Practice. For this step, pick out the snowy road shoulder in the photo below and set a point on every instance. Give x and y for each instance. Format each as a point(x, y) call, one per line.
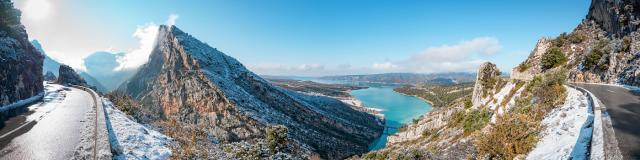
point(562, 128)
point(132, 140)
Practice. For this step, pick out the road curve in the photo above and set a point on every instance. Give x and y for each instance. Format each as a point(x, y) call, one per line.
point(623, 106)
point(49, 130)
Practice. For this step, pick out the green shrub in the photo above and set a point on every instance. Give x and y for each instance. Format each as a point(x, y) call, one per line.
point(429, 132)
point(467, 102)
point(475, 120)
point(600, 50)
point(277, 138)
point(560, 41)
point(523, 66)
point(456, 118)
point(554, 57)
point(576, 38)
point(593, 58)
point(552, 91)
point(470, 121)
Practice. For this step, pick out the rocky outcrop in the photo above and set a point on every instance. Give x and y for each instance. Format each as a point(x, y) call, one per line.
point(50, 77)
point(20, 63)
point(531, 65)
point(68, 76)
point(617, 17)
point(188, 81)
point(486, 82)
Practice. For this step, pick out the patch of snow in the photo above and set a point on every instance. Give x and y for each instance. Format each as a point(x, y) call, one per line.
point(562, 128)
point(132, 140)
point(84, 150)
point(502, 93)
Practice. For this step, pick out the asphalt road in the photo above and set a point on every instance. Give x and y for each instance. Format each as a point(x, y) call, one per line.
point(49, 130)
point(623, 106)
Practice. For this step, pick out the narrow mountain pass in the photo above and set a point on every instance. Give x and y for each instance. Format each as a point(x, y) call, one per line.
point(623, 106)
point(50, 129)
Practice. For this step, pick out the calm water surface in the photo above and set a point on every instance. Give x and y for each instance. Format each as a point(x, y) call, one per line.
point(398, 109)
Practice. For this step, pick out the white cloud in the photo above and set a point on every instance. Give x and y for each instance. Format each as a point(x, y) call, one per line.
point(146, 36)
point(309, 67)
point(172, 19)
point(481, 45)
point(286, 68)
point(464, 56)
point(384, 66)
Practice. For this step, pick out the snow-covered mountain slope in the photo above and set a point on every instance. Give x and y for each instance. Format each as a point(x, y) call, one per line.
point(20, 63)
point(189, 81)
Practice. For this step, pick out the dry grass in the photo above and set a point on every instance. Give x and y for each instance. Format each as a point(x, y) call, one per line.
point(513, 134)
point(191, 140)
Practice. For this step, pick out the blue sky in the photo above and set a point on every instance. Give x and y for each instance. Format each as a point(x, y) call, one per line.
point(328, 37)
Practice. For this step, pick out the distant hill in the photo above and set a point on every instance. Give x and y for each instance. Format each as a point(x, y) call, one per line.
point(409, 78)
point(102, 66)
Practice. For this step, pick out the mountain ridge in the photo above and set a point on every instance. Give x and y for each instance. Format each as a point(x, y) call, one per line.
point(182, 71)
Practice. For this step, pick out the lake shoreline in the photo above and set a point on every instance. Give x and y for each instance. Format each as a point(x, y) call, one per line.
point(425, 100)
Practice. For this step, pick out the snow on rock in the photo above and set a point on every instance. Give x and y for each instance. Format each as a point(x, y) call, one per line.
point(133, 140)
point(562, 128)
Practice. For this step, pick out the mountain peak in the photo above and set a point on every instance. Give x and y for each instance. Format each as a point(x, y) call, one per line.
point(185, 74)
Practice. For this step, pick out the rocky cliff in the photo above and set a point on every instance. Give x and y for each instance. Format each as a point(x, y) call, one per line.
point(604, 48)
point(617, 17)
point(21, 74)
point(188, 81)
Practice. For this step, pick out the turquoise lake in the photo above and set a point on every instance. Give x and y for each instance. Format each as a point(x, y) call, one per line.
point(398, 109)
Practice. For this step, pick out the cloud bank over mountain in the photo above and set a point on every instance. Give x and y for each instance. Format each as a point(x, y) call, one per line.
point(464, 56)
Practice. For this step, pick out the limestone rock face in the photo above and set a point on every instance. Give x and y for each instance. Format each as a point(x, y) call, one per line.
point(20, 63)
point(617, 17)
point(486, 81)
point(191, 82)
point(69, 76)
point(50, 77)
point(532, 62)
